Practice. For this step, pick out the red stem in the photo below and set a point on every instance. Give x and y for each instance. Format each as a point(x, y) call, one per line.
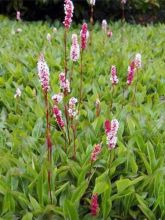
point(65, 52)
point(81, 77)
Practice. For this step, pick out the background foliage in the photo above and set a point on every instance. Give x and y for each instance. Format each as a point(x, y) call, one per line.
point(130, 183)
point(43, 9)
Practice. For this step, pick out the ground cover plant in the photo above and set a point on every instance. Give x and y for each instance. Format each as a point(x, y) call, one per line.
point(97, 154)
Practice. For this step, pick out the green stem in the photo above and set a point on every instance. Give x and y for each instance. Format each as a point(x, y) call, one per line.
point(49, 144)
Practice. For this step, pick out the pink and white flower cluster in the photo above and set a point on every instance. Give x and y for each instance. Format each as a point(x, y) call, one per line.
point(68, 8)
point(58, 116)
point(57, 98)
point(75, 49)
point(64, 83)
point(109, 34)
point(18, 93)
point(43, 73)
point(111, 129)
point(123, 1)
point(92, 2)
point(49, 37)
point(18, 16)
point(72, 107)
point(104, 25)
point(113, 77)
point(84, 36)
point(138, 62)
point(96, 151)
point(133, 67)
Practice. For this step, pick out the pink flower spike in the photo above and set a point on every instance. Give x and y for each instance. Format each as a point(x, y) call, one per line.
point(138, 62)
point(107, 126)
point(109, 34)
point(123, 1)
point(68, 8)
point(84, 36)
point(96, 151)
point(58, 115)
point(92, 2)
point(113, 77)
point(18, 93)
point(43, 73)
point(104, 26)
point(72, 107)
point(75, 49)
point(57, 98)
point(94, 205)
point(114, 126)
point(111, 129)
point(48, 37)
point(64, 83)
point(18, 16)
point(131, 72)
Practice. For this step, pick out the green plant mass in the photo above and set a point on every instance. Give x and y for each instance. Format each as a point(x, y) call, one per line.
point(99, 158)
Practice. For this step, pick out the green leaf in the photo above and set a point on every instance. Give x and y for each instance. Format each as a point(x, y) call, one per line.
point(61, 188)
point(35, 205)
point(37, 130)
point(79, 192)
point(70, 211)
point(100, 187)
point(28, 216)
point(144, 208)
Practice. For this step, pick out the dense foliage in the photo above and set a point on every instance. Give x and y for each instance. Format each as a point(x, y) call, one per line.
point(43, 9)
point(129, 180)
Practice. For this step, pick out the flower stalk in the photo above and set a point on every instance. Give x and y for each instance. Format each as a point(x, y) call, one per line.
point(43, 73)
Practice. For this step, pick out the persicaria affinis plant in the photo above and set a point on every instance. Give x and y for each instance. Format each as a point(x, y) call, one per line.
point(131, 72)
point(18, 93)
point(64, 83)
point(72, 107)
point(18, 16)
point(68, 8)
point(109, 34)
point(92, 2)
point(123, 1)
point(84, 36)
point(104, 25)
point(58, 116)
point(138, 62)
point(57, 98)
point(94, 207)
point(96, 151)
point(113, 77)
point(43, 73)
point(111, 129)
point(75, 49)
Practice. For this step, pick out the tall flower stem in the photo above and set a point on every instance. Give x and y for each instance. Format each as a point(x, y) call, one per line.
point(66, 69)
point(71, 73)
point(81, 76)
point(49, 144)
point(112, 93)
point(135, 90)
point(74, 139)
point(65, 52)
point(67, 122)
point(123, 96)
